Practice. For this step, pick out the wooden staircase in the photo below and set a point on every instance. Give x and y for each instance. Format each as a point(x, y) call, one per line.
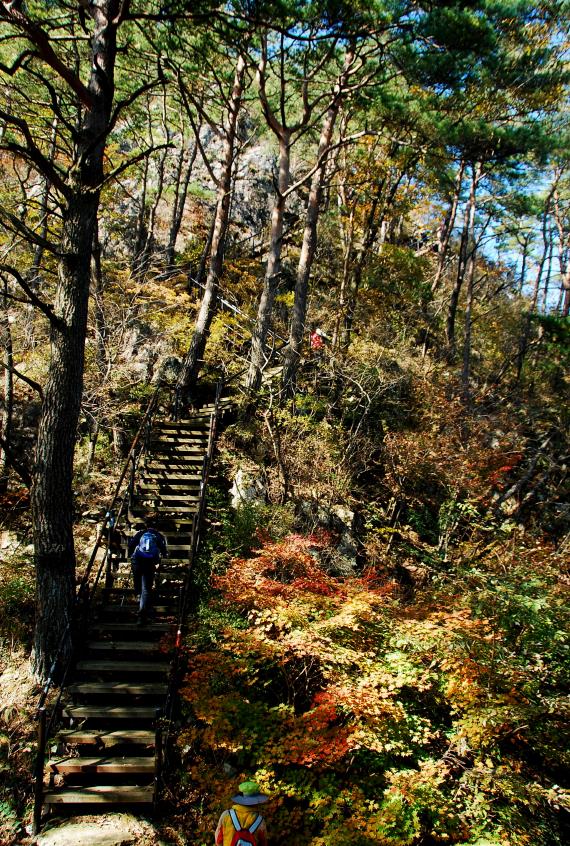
point(108, 750)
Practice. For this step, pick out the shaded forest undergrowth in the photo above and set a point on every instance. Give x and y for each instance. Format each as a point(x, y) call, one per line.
point(382, 635)
point(414, 693)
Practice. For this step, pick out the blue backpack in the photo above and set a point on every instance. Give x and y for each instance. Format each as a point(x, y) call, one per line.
point(148, 547)
point(244, 836)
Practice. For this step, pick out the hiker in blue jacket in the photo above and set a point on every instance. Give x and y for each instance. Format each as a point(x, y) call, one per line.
point(146, 548)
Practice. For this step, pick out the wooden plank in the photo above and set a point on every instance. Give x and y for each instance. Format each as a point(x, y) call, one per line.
point(93, 712)
point(177, 497)
point(165, 487)
point(101, 795)
point(175, 463)
point(108, 766)
point(151, 628)
point(95, 666)
point(148, 647)
point(92, 737)
point(118, 689)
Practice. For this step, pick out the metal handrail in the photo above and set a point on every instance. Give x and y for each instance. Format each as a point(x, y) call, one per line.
point(195, 537)
point(234, 308)
point(82, 605)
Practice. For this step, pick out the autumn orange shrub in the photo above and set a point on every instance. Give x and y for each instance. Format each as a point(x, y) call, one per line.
point(366, 725)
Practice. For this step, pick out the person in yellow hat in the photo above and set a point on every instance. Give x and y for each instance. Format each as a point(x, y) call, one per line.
point(242, 825)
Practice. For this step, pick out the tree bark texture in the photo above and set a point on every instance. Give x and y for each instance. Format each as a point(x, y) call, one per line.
point(447, 227)
point(208, 306)
point(470, 275)
point(563, 251)
point(527, 325)
point(374, 236)
point(8, 403)
point(309, 246)
point(273, 269)
point(52, 491)
point(141, 225)
point(467, 243)
point(181, 192)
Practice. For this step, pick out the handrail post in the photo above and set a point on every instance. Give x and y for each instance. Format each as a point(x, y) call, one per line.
point(158, 758)
point(39, 769)
point(131, 487)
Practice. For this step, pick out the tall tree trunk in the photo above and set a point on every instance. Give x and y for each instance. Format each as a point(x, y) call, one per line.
point(447, 228)
point(193, 360)
point(201, 275)
point(374, 236)
point(467, 243)
point(565, 290)
point(145, 257)
point(8, 403)
point(141, 223)
point(309, 246)
point(563, 248)
point(101, 331)
point(470, 275)
point(52, 491)
point(181, 192)
point(524, 261)
point(347, 237)
point(273, 269)
point(525, 334)
point(546, 288)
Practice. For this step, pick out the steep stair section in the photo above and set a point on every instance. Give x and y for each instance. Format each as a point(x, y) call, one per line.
point(108, 750)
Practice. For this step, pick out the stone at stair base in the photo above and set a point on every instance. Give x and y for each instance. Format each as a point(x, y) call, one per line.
point(116, 830)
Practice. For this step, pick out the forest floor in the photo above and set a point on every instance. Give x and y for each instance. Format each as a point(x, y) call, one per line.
point(117, 829)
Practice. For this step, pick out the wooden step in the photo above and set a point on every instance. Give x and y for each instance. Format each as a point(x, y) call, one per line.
point(166, 498)
point(110, 712)
point(166, 477)
point(179, 435)
point(185, 425)
point(166, 509)
point(164, 487)
point(129, 608)
point(174, 464)
point(107, 738)
point(195, 434)
point(102, 765)
point(121, 667)
point(132, 628)
point(146, 647)
point(178, 446)
point(118, 689)
point(101, 794)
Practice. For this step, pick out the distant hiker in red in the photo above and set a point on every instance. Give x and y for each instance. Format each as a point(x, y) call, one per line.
point(241, 825)
point(317, 339)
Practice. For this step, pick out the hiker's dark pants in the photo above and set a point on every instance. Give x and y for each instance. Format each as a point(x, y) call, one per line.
point(143, 577)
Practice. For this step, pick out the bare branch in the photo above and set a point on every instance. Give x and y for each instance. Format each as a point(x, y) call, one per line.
point(16, 465)
point(11, 12)
point(32, 153)
point(145, 153)
point(31, 382)
point(44, 307)
point(18, 62)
